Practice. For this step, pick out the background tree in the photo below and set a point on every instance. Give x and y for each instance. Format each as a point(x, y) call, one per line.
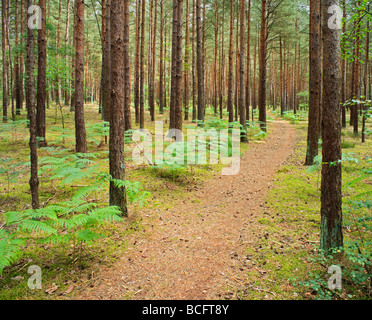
point(199, 63)
point(80, 133)
point(314, 82)
point(5, 50)
point(41, 78)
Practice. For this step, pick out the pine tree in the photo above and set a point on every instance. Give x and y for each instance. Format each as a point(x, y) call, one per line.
point(331, 194)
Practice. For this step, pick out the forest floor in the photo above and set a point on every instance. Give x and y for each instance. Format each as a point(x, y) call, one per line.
point(196, 249)
point(200, 235)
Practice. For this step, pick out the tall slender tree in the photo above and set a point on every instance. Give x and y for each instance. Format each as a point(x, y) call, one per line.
point(5, 49)
point(343, 68)
point(230, 107)
point(142, 69)
point(80, 133)
point(161, 59)
point(41, 78)
point(18, 84)
point(136, 86)
point(242, 101)
point(194, 102)
point(186, 68)
point(356, 71)
point(127, 87)
point(116, 145)
point(199, 63)
point(215, 76)
point(106, 71)
point(331, 194)
point(31, 105)
point(179, 68)
point(247, 87)
point(314, 82)
point(263, 66)
point(365, 80)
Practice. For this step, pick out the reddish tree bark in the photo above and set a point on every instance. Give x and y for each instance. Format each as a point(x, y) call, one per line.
point(331, 195)
point(80, 133)
point(242, 109)
point(230, 107)
point(116, 146)
point(127, 91)
point(199, 64)
point(314, 82)
point(263, 66)
point(31, 104)
point(41, 78)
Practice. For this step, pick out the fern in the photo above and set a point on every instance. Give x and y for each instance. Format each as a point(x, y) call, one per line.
point(10, 249)
point(88, 236)
point(37, 226)
point(69, 221)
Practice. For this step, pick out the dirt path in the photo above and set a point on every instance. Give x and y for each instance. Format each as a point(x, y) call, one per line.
point(198, 248)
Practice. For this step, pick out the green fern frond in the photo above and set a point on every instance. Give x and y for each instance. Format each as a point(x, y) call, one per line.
point(83, 192)
point(57, 239)
point(88, 236)
point(109, 214)
point(9, 249)
point(37, 226)
point(12, 217)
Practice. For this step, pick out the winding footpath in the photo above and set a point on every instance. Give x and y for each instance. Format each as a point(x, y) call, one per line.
point(196, 248)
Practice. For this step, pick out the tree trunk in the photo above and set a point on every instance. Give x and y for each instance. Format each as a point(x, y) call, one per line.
point(21, 58)
point(281, 78)
point(151, 68)
point(222, 62)
point(356, 70)
point(142, 70)
point(80, 133)
point(5, 49)
point(179, 68)
point(127, 91)
point(262, 67)
point(199, 64)
point(31, 104)
point(215, 105)
point(73, 65)
point(331, 194)
point(366, 63)
point(194, 102)
point(314, 82)
point(106, 92)
point(161, 59)
point(247, 86)
point(242, 109)
point(67, 88)
point(136, 61)
point(116, 146)
point(18, 84)
point(230, 107)
point(236, 63)
point(41, 78)
point(343, 71)
point(175, 112)
point(186, 71)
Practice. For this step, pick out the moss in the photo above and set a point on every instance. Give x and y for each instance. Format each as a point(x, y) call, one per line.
point(290, 239)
